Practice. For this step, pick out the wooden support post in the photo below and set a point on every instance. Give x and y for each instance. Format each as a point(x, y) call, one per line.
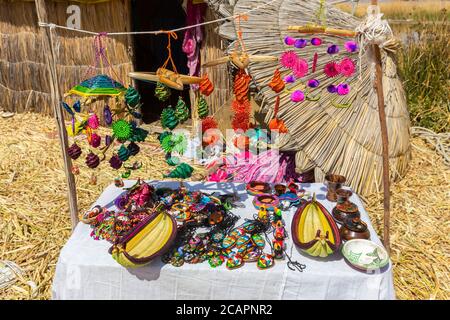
point(385, 142)
point(48, 34)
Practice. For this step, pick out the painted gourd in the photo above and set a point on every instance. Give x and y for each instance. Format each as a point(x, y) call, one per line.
point(314, 230)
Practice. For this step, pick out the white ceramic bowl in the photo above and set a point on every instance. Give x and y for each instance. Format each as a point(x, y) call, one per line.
point(365, 255)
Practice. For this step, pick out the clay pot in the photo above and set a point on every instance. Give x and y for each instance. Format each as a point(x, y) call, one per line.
point(334, 182)
point(280, 189)
point(354, 228)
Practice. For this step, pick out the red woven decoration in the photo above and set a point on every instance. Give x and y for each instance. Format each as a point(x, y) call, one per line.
point(241, 121)
point(241, 85)
point(208, 123)
point(243, 106)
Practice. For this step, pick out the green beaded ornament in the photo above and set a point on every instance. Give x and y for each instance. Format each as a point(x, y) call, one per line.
point(181, 110)
point(132, 97)
point(202, 108)
point(182, 171)
point(122, 130)
point(162, 92)
point(123, 153)
point(168, 118)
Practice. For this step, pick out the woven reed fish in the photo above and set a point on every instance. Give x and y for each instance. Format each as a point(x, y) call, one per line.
point(202, 108)
point(132, 97)
point(123, 153)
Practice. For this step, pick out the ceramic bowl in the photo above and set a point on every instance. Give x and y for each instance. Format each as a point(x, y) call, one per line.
point(365, 255)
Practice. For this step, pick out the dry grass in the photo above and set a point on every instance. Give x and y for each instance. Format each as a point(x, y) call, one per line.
point(34, 222)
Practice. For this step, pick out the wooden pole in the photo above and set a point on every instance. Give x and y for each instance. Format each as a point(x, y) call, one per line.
point(48, 34)
point(384, 141)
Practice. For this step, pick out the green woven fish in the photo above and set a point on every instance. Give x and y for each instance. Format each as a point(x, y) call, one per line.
point(173, 161)
point(123, 153)
point(132, 97)
point(202, 108)
point(168, 118)
point(182, 171)
point(181, 110)
point(162, 92)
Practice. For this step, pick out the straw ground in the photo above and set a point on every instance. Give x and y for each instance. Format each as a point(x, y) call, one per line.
point(34, 219)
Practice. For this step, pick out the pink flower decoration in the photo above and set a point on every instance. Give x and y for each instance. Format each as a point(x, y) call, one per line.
point(93, 122)
point(288, 59)
point(343, 89)
point(332, 69)
point(347, 67)
point(300, 69)
point(297, 96)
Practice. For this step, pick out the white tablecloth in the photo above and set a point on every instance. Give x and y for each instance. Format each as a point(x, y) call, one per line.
point(85, 269)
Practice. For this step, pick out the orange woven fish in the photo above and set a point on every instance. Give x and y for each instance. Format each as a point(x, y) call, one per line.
point(277, 84)
point(241, 85)
point(206, 86)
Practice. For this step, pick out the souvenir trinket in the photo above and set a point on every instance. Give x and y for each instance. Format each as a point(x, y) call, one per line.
point(334, 182)
point(265, 261)
point(234, 261)
point(118, 182)
point(248, 226)
point(75, 170)
point(237, 232)
point(344, 208)
point(289, 199)
point(278, 247)
point(216, 261)
point(280, 232)
point(228, 242)
point(263, 215)
point(365, 255)
point(268, 201)
point(218, 236)
point(243, 240)
point(354, 228)
point(280, 189)
point(252, 256)
point(215, 217)
point(314, 230)
point(90, 216)
point(277, 216)
point(258, 240)
point(257, 187)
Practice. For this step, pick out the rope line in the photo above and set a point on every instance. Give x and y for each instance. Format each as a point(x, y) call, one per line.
point(154, 32)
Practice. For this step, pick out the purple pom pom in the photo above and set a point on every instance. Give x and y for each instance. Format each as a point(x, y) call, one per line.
point(289, 41)
point(297, 96)
point(313, 83)
point(120, 202)
point(332, 88)
point(300, 43)
point(289, 79)
point(333, 49)
point(316, 41)
point(351, 46)
point(343, 89)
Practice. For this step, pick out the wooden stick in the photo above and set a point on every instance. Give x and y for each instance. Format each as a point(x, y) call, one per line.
point(50, 56)
point(323, 30)
point(384, 141)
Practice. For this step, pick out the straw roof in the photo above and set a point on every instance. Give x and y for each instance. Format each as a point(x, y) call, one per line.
point(346, 141)
point(24, 84)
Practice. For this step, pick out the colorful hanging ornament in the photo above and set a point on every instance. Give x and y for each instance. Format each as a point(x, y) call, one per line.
point(333, 49)
point(173, 161)
point(300, 69)
point(202, 108)
point(93, 122)
point(289, 79)
point(300, 43)
point(277, 84)
point(332, 88)
point(95, 140)
point(108, 140)
point(241, 85)
point(275, 123)
point(347, 67)
point(107, 115)
point(132, 97)
point(122, 130)
point(241, 121)
point(332, 69)
point(182, 171)
point(288, 59)
point(162, 92)
point(115, 162)
point(168, 118)
point(313, 83)
point(343, 89)
point(133, 149)
point(74, 151)
point(351, 46)
point(289, 41)
point(206, 87)
point(297, 96)
point(316, 41)
point(123, 153)
point(139, 135)
point(181, 110)
point(92, 160)
point(75, 170)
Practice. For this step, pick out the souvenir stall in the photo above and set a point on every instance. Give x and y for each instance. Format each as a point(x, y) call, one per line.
point(255, 229)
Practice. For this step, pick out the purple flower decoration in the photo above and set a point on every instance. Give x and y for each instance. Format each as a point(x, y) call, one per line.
point(343, 89)
point(120, 202)
point(351, 46)
point(313, 83)
point(297, 96)
point(316, 41)
point(289, 79)
point(300, 43)
point(289, 41)
point(333, 49)
point(332, 88)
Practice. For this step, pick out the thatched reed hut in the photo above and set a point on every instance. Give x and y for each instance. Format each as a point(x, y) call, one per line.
point(24, 81)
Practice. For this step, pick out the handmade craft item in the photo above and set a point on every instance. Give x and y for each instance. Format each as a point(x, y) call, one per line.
point(100, 85)
point(257, 187)
point(206, 87)
point(92, 160)
point(202, 108)
point(279, 189)
point(181, 110)
point(74, 151)
point(344, 208)
point(265, 261)
point(365, 255)
point(354, 228)
point(277, 84)
point(333, 182)
point(268, 201)
point(276, 123)
point(168, 118)
point(183, 171)
point(314, 230)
